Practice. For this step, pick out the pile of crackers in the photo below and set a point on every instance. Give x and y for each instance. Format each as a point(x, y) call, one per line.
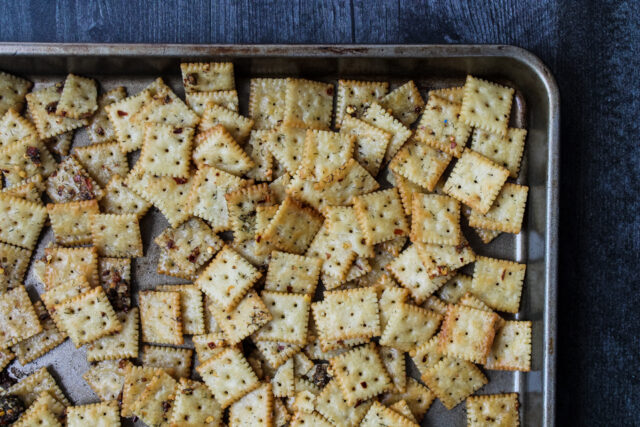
point(319, 247)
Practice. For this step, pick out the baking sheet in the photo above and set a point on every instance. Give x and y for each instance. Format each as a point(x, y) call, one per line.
point(536, 107)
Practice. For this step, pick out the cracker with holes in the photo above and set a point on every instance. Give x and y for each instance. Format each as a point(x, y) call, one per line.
point(62, 293)
point(106, 378)
point(116, 235)
point(227, 278)
point(115, 277)
point(60, 144)
point(79, 98)
point(333, 406)
point(264, 215)
point(153, 406)
point(12, 92)
point(120, 199)
point(169, 267)
point(102, 161)
point(381, 216)
point(453, 380)
point(45, 411)
point(441, 260)
point(14, 127)
point(304, 401)
point(100, 128)
point(506, 213)
point(36, 346)
point(301, 419)
point(99, 414)
point(30, 189)
point(254, 409)
point(493, 409)
point(267, 102)
point(70, 221)
point(475, 181)
point(128, 133)
point(393, 361)
point(427, 355)
point(198, 101)
point(71, 182)
point(421, 164)
point(504, 150)
point(283, 380)
point(195, 405)
point(435, 219)
point(279, 186)
point(451, 94)
point(409, 326)
point(389, 299)
point(308, 104)
point(370, 143)
point(166, 150)
point(418, 397)
point(378, 265)
point(287, 145)
point(25, 159)
point(377, 116)
point(440, 127)
point(249, 250)
point(467, 333)
point(455, 288)
point(160, 315)
point(486, 105)
point(380, 415)
point(324, 152)
point(218, 371)
point(191, 307)
point(208, 345)
point(498, 283)
point(120, 345)
point(242, 205)
point(402, 408)
point(18, 318)
point(293, 226)
point(248, 316)
point(135, 382)
point(43, 105)
point(207, 76)
point(237, 127)
point(257, 148)
point(335, 253)
point(207, 196)
point(405, 103)
point(29, 388)
point(292, 273)
point(63, 265)
point(277, 353)
point(174, 361)
point(166, 108)
point(347, 314)
point(289, 318)
point(360, 374)
point(511, 349)
point(354, 97)
point(14, 262)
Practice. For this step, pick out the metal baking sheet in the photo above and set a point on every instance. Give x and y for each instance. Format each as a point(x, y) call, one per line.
point(430, 66)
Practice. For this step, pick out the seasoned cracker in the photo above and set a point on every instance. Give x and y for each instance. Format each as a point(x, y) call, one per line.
point(324, 152)
point(18, 319)
point(207, 76)
point(25, 159)
point(61, 293)
point(70, 221)
point(30, 387)
point(79, 97)
point(504, 150)
point(394, 363)
point(12, 92)
point(370, 143)
point(377, 116)
point(404, 102)
point(293, 227)
point(102, 161)
point(267, 100)
point(304, 401)
point(105, 414)
point(394, 246)
point(121, 113)
point(498, 283)
point(30, 189)
point(166, 150)
point(174, 361)
point(248, 316)
point(43, 104)
point(277, 353)
point(290, 314)
point(451, 94)
point(347, 314)
point(379, 415)
point(257, 148)
point(506, 213)
point(264, 216)
point(418, 397)
point(452, 380)
point(287, 145)
point(335, 253)
point(493, 410)
point(467, 333)
point(242, 205)
point(303, 419)
point(60, 144)
point(308, 104)
point(292, 273)
point(6, 356)
point(511, 349)
point(435, 219)
point(63, 265)
point(342, 223)
point(135, 381)
point(14, 127)
point(119, 199)
point(106, 378)
point(486, 105)
point(198, 101)
point(250, 250)
point(121, 345)
point(409, 326)
point(441, 260)
point(389, 299)
point(427, 355)
point(421, 164)
point(160, 314)
point(381, 216)
point(153, 407)
point(71, 182)
point(440, 127)
point(100, 128)
point(217, 372)
point(115, 277)
point(283, 380)
point(402, 408)
point(355, 96)
point(166, 108)
point(46, 411)
point(237, 127)
point(116, 235)
point(378, 265)
point(208, 345)
point(191, 304)
point(32, 348)
point(194, 405)
point(14, 262)
point(333, 406)
point(254, 409)
point(455, 288)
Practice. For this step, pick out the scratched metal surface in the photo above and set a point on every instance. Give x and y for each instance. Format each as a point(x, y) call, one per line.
point(431, 67)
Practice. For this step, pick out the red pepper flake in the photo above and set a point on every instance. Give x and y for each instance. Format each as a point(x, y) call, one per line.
point(171, 244)
point(211, 345)
point(289, 289)
point(192, 79)
point(166, 406)
point(453, 144)
point(280, 347)
point(180, 180)
point(193, 256)
point(398, 232)
point(177, 130)
point(167, 99)
point(34, 155)
point(503, 273)
point(100, 131)
point(51, 107)
point(258, 239)
point(122, 364)
point(417, 109)
point(122, 113)
point(330, 91)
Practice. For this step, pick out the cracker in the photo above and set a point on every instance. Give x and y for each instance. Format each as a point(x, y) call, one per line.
point(116, 235)
point(337, 256)
point(304, 401)
point(79, 97)
point(45, 412)
point(441, 260)
point(404, 102)
point(493, 410)
point(370, 143)
point(71, 182)
point(333, 406)
point(206, 199)
point(30, 189)
point(254, 409)
point(426, 355)
point(12, 92)
point(485, 235)
point(18, 319)
point(379, 415)
point(455, 288)
point(418, 397)
point(67, 264)
point(194, 405)
point(43, 104)
point(394, 246)
point(227, 278)
point(342, 223)
point(277, 353)
point(236, 126)
point(198, 101)
point(103, 414)
point(264, 216)
point(62, 293)
point(435, 219)
point(506, 213)
point(309, 419)
point(208, 345)
point(102, 161)
point(217, 373)
point(30, 387)
point(467, 333)
point(360, 374)
point(106, 378)
point(347, 314)
point(355, 96)
point(32, 348)
point(440, 127)
point(452, 380)
point(192, 311)
point(498, 283)
point(249, 249)
point(486, 105)
point(389, 299)
point(166, 108)
point(381, 216)
point(308, 104)
point(119, 199)
point(420, 164)
point(290, 314)
point(60, 144)
point(267, 100)
point(504, 150)
point(115, 277)
point(14, 262)
point(121, 345)
point(100, 129)
point(292, 273)
point(160, 313)
point(242, 204)
point(121, 113)
point(135, 381)
point(25, 159)
point(207, 76)
point(70, 221)
point(287, 145)
point(283, 380)
point(293, 227)
point(394, 363)
point(359, 268)
point(451, 94)
point(411, 273)
point(14, 127)
point(324, 152)
point(408, 326)
point(511, 349)
point(166, 150)
point(257, 148)
point(402, 408)
point(248, 316)
point(377, 116)
point(174, 361)
point(6, 356)
point(153, 407)
point(378, 265)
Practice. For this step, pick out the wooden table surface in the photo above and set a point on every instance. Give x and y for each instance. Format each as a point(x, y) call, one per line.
point(593, 49)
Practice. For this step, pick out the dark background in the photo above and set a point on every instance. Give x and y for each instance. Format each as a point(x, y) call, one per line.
point(593, 48)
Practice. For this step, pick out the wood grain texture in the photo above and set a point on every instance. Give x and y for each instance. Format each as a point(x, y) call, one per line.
point(592, 48)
